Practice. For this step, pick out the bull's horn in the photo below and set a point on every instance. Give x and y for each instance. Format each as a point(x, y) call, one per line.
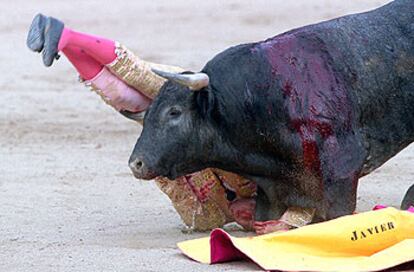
point(195, 81)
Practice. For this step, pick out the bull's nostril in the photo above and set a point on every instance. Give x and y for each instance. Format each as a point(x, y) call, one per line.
point(136, 165)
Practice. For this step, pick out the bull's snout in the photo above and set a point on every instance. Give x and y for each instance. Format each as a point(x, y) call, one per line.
point(140, 169)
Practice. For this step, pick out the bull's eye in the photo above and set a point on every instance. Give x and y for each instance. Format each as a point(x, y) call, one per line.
point(174, 112)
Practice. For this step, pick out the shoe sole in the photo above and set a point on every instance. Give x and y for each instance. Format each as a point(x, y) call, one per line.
point(52, 33)
point(35, 37)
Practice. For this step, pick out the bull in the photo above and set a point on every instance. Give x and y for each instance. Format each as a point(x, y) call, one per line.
point(304, 114)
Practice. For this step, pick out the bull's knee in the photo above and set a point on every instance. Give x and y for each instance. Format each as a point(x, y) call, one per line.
point(340, 198)
point(268, 207)
point(262, 206)
point(408, 199)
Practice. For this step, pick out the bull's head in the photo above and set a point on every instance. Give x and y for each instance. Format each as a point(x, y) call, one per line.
point(176, 139)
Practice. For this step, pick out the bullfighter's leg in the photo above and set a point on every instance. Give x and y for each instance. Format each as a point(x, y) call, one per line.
point(49, 36)
point(88, 60)
point(87, 67)
point(99, 48)
point(113, 90)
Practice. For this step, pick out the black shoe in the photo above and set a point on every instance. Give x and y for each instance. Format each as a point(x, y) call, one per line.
point(52, 33)
point(35, 37)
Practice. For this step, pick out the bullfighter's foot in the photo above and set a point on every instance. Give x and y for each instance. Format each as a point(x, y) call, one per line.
point(293, 217)
point(52, 32)
point(35, 37)
point(298, 216)
point(263, 227)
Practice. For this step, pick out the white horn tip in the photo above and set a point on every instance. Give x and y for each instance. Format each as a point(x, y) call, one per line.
point(195, 81)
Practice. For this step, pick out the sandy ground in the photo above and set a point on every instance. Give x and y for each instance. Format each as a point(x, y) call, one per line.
point(67, 199)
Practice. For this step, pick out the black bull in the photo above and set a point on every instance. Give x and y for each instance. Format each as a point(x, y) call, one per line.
point(304, 114)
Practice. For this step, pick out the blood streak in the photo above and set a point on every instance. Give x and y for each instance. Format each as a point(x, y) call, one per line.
point(315, 97)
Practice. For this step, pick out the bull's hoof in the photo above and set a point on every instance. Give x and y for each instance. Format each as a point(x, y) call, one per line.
point(408, 199)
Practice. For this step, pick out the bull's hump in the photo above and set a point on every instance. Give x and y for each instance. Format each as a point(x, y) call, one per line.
point(315, 94)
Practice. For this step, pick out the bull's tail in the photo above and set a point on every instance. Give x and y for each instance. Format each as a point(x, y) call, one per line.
point(408, 199)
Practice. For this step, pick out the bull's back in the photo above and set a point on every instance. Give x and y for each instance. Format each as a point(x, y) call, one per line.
point(367, 66)
point(374, 52)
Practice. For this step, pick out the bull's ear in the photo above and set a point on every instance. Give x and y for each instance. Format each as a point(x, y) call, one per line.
point(205, 103)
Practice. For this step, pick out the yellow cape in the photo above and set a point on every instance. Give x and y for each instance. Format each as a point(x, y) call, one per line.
point(369, 241)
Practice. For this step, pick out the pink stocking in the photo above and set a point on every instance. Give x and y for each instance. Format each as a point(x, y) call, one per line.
point(86, 66)
point(89, 54)
point(115, 91)
point(101, 49)
point(118, 93)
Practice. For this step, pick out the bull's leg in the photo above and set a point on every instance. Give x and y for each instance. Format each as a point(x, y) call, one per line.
point(269, 206)
point(280, 206)
point(340, 197)
point(341, 162)
point(269, 203)
point(408, 199)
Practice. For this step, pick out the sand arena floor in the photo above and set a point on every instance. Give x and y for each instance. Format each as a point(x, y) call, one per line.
point(67, 199)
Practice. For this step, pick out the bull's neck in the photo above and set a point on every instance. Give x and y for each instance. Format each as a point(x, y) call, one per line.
point(223, 154)
point(229, 137)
